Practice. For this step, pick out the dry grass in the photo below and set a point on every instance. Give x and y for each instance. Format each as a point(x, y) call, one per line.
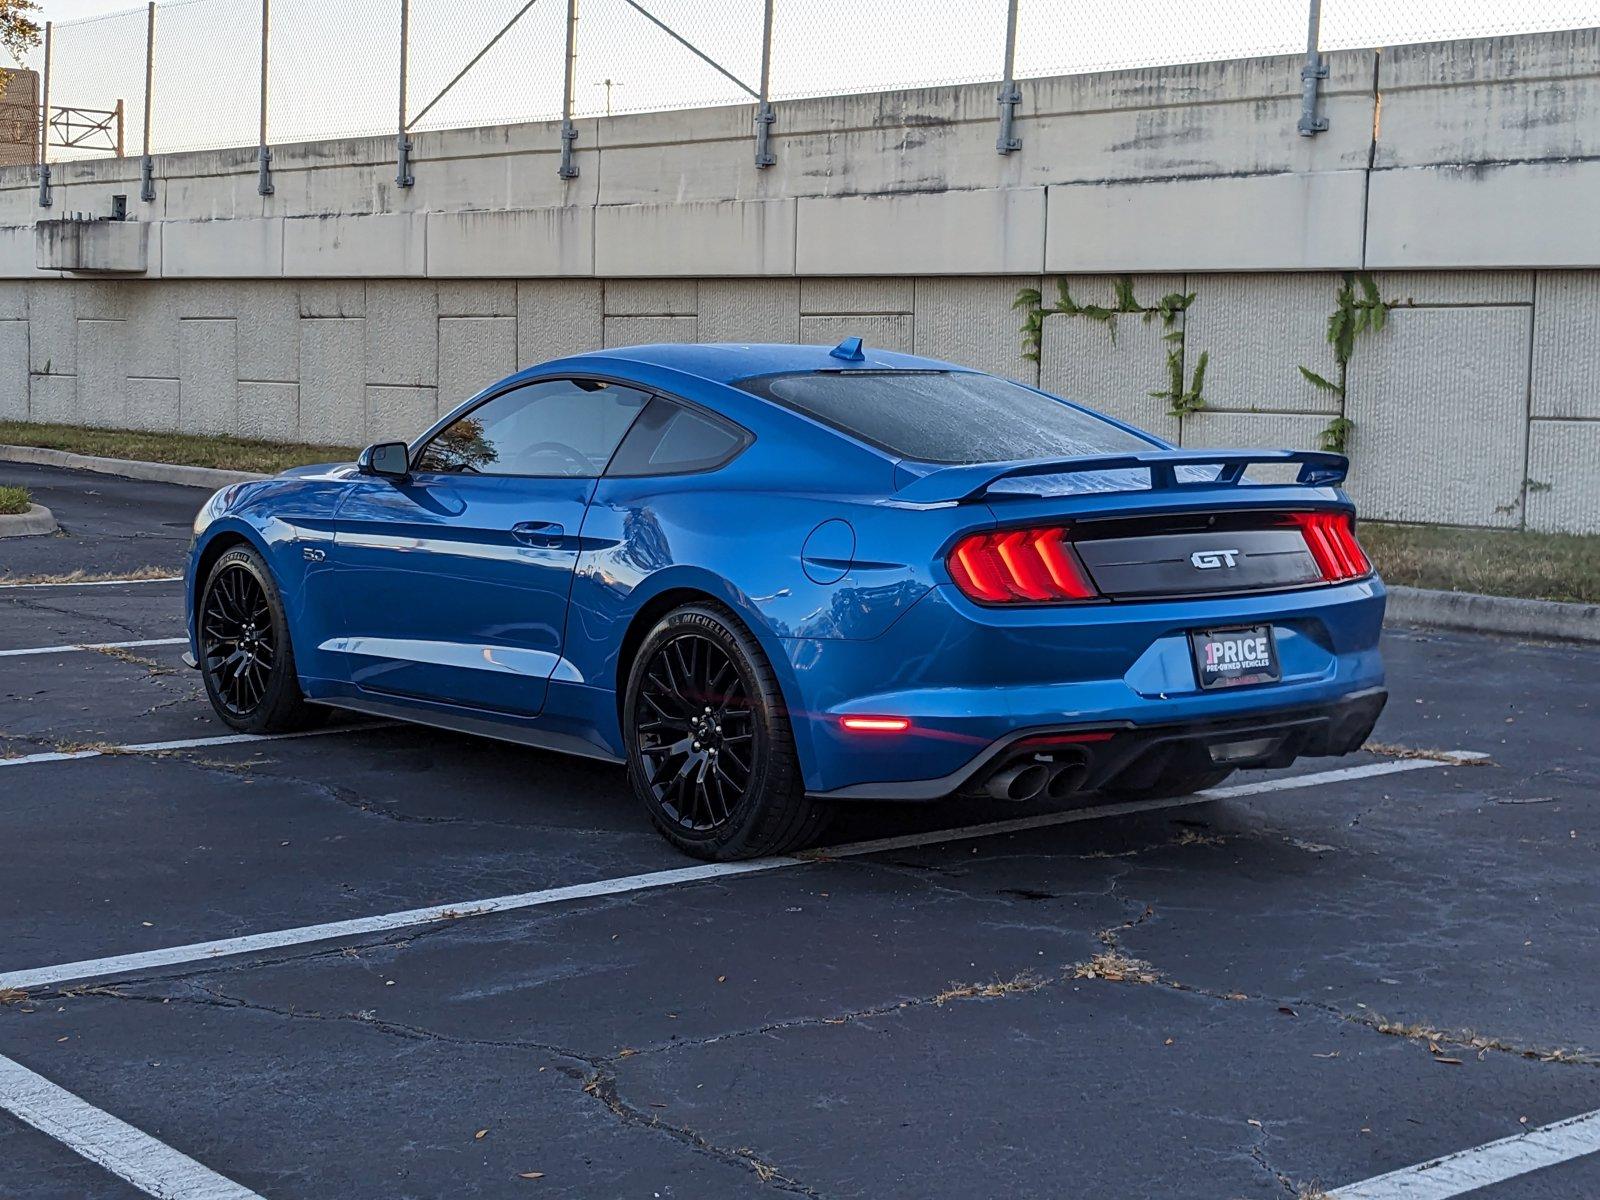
point(1311, 1191)
point(992, 990)
point(150, 665)
point(13, 500)
point(191, 450)
point(1389, 750)
point(1495, 562)
point(1116, 967)
point(1437, 1039)
point(82, 576)
point(11, 995)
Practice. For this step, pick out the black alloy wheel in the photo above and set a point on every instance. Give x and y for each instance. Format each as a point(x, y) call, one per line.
point(710, 752)
point(238, 644)
point(246, 657)
point(696, 732)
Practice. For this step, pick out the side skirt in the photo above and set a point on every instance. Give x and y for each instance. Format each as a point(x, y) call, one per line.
point(465, 721)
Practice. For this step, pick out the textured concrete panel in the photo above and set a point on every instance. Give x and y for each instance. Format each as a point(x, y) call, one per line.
point(749, 310)
point(1566, 456)
point(333, 382)
point(269, 411)
point(389, 245)
point(971, 322)
point(402, 332)
point(556, 318)
point(345, 298)
point(399, 413)
point(153, 404)
point(989, 232)
point(1504, 215)
point(1259, 329)
point(514, 243)
point(237, 248)
point(885, 332)
point(473, 353)
point(1253, 431)
point(13, 301)
point(53, 329)
point(13, 370)
point(1294, 222)
point(102, 373)
point(208, 381)
point(105, 299)
point(1455, 287)
point(269, 333)
point(1080, 362)
point(1566, 346)
point(826, 296)
point(1439, 401)
point(729, 237)
point(492, 298)
point(651, 298)
point(53, 399)
point(153, 315)
point(640, 331)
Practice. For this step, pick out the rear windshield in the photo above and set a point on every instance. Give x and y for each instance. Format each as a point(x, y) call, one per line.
point(946, 416)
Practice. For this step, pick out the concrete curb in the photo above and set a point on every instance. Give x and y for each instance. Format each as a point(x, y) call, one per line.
point(201, 477)
point(38, 519)
point(1494, 614)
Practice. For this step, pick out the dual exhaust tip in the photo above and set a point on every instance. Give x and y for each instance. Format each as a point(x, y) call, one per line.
point(1037, 780)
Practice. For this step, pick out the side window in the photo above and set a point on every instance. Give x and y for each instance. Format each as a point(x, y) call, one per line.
point(669, 439)
point(555, 427)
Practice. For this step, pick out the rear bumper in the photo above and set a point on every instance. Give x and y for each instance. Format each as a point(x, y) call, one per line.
point(1134, 755)
point(969, 678)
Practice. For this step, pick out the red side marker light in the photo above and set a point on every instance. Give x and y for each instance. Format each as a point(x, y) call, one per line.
point(876, 724)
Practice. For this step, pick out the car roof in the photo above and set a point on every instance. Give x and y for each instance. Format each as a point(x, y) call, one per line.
point(724, 362)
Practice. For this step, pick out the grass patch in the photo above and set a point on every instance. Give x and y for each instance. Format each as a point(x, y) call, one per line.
point(13, 500)
point(82, 576)
point(1494, 562)
point(1116, 967)
point(183, 449)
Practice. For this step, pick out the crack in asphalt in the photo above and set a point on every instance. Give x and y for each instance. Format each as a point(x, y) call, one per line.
point(41, 607)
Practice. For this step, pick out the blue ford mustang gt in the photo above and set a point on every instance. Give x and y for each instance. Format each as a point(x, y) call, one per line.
point(773, 578)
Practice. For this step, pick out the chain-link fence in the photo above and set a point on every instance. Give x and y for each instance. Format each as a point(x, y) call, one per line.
point(204, 74)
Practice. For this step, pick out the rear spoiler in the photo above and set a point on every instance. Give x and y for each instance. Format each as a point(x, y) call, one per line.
point(1318, 468)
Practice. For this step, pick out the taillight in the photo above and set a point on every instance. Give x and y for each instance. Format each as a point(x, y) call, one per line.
point(1331, 538)
point(1019, 566)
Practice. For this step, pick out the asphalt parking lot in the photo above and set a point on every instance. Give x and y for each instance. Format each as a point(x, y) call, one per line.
point(1323, 976)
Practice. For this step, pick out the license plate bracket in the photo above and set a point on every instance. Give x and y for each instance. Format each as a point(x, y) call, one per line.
point(1236, 657)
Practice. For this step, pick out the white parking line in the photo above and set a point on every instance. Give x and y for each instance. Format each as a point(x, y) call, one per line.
point(222, 739)
point(1468, 1170)
point(123, 964)
point(96, 582)
point(71, 646)
point(147, 1164)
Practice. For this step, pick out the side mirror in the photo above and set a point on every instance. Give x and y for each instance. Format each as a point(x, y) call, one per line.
point(389, 459)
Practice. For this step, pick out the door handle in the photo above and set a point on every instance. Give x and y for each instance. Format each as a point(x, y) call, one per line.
point(547, 535)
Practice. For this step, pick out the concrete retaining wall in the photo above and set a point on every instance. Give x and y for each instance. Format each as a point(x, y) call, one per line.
point(1471, 406)
point(1460, 176)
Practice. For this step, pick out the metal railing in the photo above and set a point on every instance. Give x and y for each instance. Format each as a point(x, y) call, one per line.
point(208, 74)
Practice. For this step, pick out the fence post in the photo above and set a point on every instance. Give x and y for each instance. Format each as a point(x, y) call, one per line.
point(1010, 96)
point(402, 144)
point(1314, 70)
point(263, 155)
point(569, 131)
point(44, 125)
point(764, 114)
point(147, 166)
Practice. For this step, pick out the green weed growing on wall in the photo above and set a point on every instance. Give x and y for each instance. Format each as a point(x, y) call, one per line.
point(1123, 303)
point(1353, 315)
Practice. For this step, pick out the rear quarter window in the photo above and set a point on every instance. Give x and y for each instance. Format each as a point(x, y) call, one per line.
point(669, 439)
point(947, 416)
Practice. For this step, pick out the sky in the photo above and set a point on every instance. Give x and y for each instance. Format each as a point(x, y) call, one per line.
point(334, 65)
